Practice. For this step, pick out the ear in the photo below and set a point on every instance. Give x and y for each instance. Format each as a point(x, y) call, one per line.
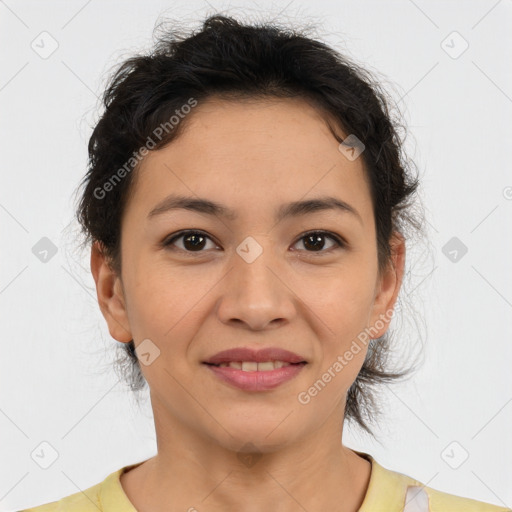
point(388, 286)
point(110, 294)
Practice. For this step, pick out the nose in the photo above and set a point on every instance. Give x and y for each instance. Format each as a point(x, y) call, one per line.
point(257, 293)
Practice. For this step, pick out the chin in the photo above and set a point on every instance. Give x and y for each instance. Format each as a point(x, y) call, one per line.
point(254, 437)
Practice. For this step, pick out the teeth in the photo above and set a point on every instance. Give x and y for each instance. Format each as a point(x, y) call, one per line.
point(265, 367)
point(252, 366)
point(249, 366)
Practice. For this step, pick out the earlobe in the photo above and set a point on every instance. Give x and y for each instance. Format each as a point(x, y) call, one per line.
point(389, 285)
point(110, 295)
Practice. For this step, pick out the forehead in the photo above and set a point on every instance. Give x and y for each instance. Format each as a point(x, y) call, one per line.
point(249, 153)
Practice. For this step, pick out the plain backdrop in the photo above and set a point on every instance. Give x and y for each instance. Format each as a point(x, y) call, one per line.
point(447, 66)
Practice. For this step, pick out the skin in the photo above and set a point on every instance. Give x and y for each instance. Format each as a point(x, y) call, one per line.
point(251, 157)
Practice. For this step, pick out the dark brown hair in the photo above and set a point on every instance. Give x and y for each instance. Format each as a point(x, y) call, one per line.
point(232, 60)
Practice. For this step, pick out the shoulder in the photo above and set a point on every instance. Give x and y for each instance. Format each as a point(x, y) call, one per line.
point(93, 499)
point(395, 492)
point(82, 501)
point(445, 502)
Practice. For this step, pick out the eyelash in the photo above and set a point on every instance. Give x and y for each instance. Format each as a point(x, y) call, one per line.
point(340, 243)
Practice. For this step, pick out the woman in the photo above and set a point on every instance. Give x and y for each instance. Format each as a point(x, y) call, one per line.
point(246, 204)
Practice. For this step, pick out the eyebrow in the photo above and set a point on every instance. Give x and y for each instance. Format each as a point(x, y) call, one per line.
point(293, 209)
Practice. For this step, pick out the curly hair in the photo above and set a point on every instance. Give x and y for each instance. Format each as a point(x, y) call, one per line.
point(233, 60)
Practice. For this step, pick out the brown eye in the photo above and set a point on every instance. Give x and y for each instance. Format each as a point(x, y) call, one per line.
point(315, 241)
point(197, 241)
point(192, 241)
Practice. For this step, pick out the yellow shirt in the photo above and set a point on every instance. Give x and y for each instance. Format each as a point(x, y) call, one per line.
point(387, 492)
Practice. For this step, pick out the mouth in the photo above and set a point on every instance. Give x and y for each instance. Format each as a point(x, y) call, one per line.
point(253, 366)
point(263, 358)
point(251, 370)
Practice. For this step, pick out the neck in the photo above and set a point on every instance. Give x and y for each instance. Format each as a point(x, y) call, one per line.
point(191, 472)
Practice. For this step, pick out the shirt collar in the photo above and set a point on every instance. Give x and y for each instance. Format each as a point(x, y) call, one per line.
point(386, 489)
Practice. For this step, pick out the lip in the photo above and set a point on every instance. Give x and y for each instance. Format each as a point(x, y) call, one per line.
point(258, 356)
point(256, 381)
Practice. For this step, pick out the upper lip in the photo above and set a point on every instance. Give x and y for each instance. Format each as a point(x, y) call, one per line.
point(259, 356)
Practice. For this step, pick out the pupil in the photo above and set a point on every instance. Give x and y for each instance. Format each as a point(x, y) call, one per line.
point(317, 242)
point(194, 245)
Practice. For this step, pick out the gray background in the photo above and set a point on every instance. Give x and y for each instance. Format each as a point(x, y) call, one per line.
point(57, 385)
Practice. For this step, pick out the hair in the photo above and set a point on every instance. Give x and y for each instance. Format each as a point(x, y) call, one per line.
point(230, 60)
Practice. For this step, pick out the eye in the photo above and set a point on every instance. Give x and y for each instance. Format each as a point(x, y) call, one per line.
point(193, 241)
point(314, 241)
point(196, 241)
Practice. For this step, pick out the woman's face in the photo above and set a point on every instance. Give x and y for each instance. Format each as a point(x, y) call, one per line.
point(251, 278)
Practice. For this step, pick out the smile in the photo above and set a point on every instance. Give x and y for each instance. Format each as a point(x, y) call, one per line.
point(252, 366)
point(255, 376)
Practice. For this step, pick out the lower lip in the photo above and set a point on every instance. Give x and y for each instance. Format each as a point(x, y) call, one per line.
point(256, 381)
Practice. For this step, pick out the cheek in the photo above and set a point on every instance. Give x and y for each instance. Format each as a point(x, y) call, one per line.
point(343, 299)
point(344, 308)
point(160, 303)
